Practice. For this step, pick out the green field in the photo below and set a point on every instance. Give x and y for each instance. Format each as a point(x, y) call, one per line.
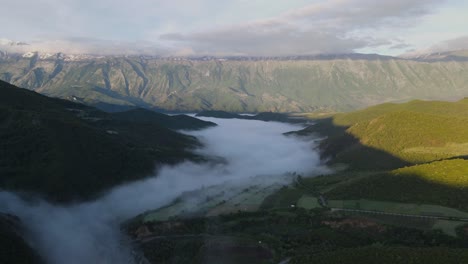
point(308, 202)
point(215, 200)
point(398, 208)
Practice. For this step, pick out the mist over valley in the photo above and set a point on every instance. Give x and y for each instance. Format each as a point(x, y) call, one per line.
point(234, 132)
point(89, 232)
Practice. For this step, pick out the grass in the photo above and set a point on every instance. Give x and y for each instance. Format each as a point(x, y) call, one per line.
point(397, 132)
point(324, 183)
point(283, 198)
point(247, 200)
point(417, 132)
point(448, 172)
point(214, 201)
point(439, 183)
point(398, 208)
point(308, 202)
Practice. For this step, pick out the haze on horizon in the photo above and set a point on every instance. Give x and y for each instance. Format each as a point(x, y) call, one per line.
point(237, 27)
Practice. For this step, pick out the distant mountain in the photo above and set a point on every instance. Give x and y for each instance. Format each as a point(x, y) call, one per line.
point(67, 151)
point(459, 55)
point(265, 116)
point(239, 84)
point(143, 116)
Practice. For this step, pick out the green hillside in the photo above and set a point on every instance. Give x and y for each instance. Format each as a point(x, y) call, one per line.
point(67, 151)
point(409, 133)
point(440, 108)
point(327, 83)
point(413, 152)
point(442, 183)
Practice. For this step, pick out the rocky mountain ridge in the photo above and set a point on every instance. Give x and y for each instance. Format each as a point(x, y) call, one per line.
point(325, 83)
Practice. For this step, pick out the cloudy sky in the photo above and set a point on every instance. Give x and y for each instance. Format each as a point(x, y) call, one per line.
point(235, 27)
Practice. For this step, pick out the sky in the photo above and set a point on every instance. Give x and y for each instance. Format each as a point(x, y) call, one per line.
point(234, 27)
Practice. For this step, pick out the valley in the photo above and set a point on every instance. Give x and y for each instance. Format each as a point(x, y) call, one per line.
point(330, 183)
point(234, 132)
point(417, 194)
point(227, 164)
point(391, 174)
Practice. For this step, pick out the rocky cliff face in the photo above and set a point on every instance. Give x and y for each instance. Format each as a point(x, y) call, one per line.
point(320, 83)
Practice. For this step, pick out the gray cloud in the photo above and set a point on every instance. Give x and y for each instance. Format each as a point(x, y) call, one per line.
point(400, 46)
point(277, 41)
point(196, 27)
point(338, 26)
point(460, 43)
point(455, 44)
point(87, 46)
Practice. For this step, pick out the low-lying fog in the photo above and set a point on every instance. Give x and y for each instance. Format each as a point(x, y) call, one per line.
point(89, 232)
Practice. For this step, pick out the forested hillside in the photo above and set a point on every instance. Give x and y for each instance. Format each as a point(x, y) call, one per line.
point(68, 151)
point(413, 152)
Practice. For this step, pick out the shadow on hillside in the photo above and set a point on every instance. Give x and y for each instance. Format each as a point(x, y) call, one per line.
point(412, 186)
point(405, 188)
point(342, 147)
point(465, 157)
point(116, 95)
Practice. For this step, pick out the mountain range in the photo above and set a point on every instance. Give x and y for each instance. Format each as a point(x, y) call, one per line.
point(321, 83)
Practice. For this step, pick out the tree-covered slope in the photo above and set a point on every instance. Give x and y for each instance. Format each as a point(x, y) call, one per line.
point(143, 116)
point(241, 85)
point(414, 152)
point(441, 183)
point(413, 132)
point(70, 151)
point(13, 246)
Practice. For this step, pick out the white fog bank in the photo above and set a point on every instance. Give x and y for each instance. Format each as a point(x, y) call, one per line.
point(89, 232)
